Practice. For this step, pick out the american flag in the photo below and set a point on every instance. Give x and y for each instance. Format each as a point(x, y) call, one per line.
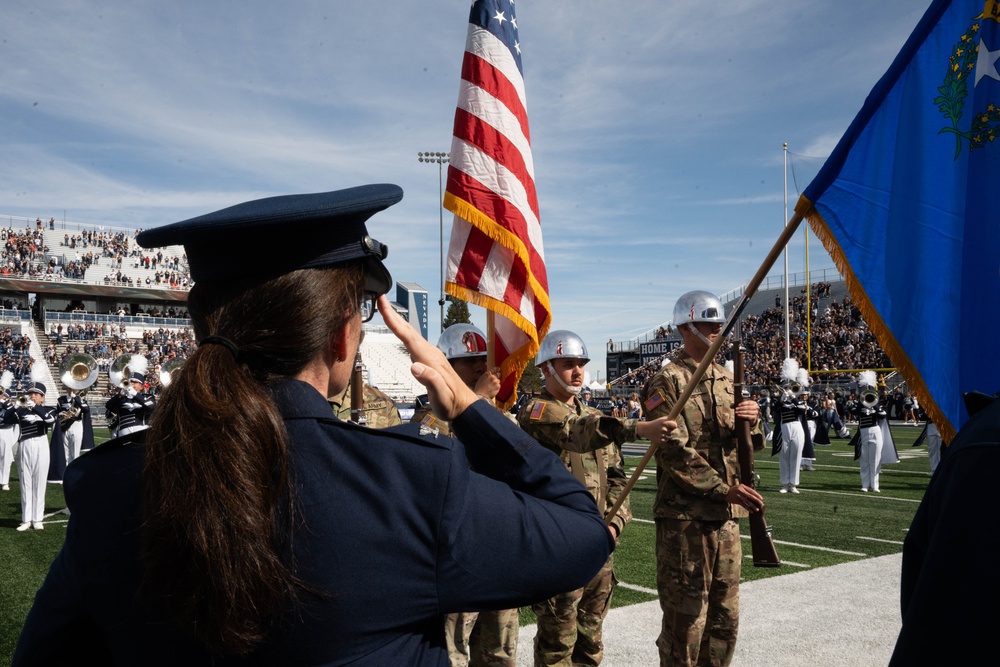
point(495, 257)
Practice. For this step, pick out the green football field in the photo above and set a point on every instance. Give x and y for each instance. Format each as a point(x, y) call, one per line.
point(829, 522)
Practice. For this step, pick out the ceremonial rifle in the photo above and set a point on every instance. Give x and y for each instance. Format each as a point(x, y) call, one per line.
point(706, 361)
point(358, 392)
point(764, 553)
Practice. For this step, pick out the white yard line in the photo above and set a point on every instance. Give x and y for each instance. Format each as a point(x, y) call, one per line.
point(877, 539)
point(641, 589)
point(856, 495)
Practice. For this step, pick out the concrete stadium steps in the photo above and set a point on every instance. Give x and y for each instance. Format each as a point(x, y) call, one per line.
point(388, 364)
point(103, 266)
point(764, 299)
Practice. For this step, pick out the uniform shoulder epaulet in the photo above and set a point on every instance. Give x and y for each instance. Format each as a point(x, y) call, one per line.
point(418, 432)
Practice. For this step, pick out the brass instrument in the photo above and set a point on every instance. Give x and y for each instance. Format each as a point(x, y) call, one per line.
point(169, 371)
point(869, 398)
point(77, 372)
point(124, 366)
point(118, 373)
point(24, 402)
point(796, 388)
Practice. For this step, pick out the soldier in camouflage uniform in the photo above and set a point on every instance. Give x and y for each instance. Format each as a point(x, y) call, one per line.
point(699, 496)
point(570, 625)
point(488, 638)
point(379, 408)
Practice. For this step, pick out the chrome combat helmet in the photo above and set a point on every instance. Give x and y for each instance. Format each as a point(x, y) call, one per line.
point(461, 341)
point(561, 345)
point(699, 306)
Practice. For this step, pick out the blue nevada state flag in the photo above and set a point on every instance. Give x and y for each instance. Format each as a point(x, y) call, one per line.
point(908, 205)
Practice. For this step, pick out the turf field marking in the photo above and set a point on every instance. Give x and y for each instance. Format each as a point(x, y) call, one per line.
point(855, 495)
point(641, 589)
point(812, 546)
point(643, 520)
point(784, 562)
point(876, 539)
point(827, 466)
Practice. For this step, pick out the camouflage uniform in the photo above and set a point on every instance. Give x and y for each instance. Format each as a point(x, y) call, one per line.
point(479, 639)
point(570, 625)
point(380, 409)
point(698, 553)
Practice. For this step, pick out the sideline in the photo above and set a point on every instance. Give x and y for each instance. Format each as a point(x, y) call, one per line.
point(844, 615)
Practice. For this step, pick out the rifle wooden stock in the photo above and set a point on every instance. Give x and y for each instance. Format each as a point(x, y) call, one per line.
point(764, 553)
point(713, 350)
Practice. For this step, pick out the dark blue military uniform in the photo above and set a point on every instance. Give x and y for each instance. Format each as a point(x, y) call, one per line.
point(395, 531)
point(947, 619)
point(133, 412)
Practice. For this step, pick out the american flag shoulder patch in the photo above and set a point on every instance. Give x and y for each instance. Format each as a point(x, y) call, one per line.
point(429, 421)
point(536, 411)
point(656, 399)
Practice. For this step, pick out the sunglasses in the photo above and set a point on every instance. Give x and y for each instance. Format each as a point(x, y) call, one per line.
point(367, 307)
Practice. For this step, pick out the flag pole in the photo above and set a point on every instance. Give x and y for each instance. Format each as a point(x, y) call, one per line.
point(787, 305)
point(491, 355)
point(709, 357)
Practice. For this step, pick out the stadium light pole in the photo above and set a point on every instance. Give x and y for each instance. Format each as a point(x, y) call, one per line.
point(440, 159)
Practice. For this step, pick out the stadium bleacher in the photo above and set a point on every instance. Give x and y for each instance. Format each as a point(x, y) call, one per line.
point(833, 324)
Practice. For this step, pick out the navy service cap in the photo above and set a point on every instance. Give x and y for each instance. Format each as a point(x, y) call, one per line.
point(266, 238)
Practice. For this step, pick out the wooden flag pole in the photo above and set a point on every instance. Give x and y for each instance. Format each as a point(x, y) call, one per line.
point(709, 357)
point(491, 355)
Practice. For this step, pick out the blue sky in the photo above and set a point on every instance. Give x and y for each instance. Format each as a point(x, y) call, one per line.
point(657, 127)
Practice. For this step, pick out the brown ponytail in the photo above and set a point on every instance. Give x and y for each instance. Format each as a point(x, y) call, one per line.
point(217, 501)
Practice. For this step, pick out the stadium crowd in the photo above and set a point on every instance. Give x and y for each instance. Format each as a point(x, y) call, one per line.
point(15, 356)
point(25, 255)
point(840, 340)
point(107, 342)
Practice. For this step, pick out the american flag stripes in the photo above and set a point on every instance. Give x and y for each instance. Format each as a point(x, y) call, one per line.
point(495, 256)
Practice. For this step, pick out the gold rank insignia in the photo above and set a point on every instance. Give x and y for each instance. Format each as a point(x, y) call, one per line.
point(654, 400)
point(537, 410)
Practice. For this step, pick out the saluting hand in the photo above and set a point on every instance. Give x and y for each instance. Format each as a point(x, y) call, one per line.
point(448, 394)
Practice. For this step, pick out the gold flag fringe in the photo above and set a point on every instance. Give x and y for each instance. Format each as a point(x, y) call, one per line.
point(518, 359)
point(885, 337)
point(505, 238)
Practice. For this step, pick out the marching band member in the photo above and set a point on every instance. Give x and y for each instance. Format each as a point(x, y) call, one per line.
point(34, 419)
point(74, 414)
point(8, 431)
point(872, 443)
point(133, 407)
point(809, 422)
point(790, 434)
